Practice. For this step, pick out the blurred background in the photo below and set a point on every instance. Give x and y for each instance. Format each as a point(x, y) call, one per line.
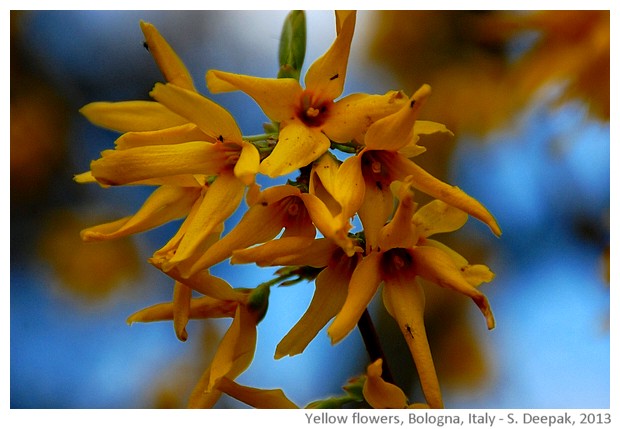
point(527, 96)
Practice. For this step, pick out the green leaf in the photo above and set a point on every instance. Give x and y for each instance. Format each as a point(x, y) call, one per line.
point(292, 45)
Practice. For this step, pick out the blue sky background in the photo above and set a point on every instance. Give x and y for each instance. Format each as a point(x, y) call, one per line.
point(546, 178)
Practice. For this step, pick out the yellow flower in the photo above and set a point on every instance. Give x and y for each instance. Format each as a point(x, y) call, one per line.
point(309, 118)
point(403, 253)
point(385, 158)
point(573, 49)
point(234, 354)
point(274, 209)
point(202, 142)
point(330, 285)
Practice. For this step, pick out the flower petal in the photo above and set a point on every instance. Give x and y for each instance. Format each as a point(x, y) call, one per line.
point(436, 266)
point(376, 209)
point(352, 115)
point(167, 60)
point(404, 299)
point(297, 147)
point(331, 287)
point(258, 225)
point(220, 201)
point(402, 167)
point(362, 288)
point(351, 188)
point(204, 307)
point(234, 354)
point(331, 227)
point(326, 75)
point(436, 217)
point(277, 97)
point(120, 167)
point(380, 394)
point(256, 398)
point(396, 130)
point(247, 165)
point(166, 203)
point(181, 300)
point(399, 231)
point(287, 251)
point(210, 117)
point(124, 116)
point(173, 135)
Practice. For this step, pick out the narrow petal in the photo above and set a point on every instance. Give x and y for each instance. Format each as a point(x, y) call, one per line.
point(352, 115)
point(380, 394)
point(258, 225)
point(327, 74)
point(323, 181)
point(437, 217)
point(341, 16)
point(256, 398)
point(181, 299)
point(204, 307)
point(330, 293)
point(362, 288)
point(173, 135)
point(400, 232)
point(86, 177)
point(396, 130)
point(424, 128)
point(324, 171)
point(330, 226)
point(351, 187)
point(404, 299)
point(120, 167)
point(475, 274)
point(204, 283)
point(277, 97)
point(437, 267)
point(234, 354)
point(221, 200)
point(210, 117)
point(287, 251)
point(167, 60)
point(248, 163)
point(402, 167)
point(165, 204)
point(124, 116)
point(236, 350)
point(376, 209)
point(297, 147)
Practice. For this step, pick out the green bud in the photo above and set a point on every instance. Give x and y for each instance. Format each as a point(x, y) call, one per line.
point(292, 45)
point(258, 300)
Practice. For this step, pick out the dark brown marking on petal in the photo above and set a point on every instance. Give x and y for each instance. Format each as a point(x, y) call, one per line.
point(412, 103)
point(334, 77)
point(408, 328)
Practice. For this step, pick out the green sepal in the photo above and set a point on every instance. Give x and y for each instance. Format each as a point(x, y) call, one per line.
point(353, 395)
point(292, 45)
point(258, 300)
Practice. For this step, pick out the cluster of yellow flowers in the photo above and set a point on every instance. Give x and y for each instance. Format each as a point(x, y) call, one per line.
point(202, 167)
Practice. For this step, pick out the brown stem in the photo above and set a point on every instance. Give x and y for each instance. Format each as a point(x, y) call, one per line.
point(373, 346)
